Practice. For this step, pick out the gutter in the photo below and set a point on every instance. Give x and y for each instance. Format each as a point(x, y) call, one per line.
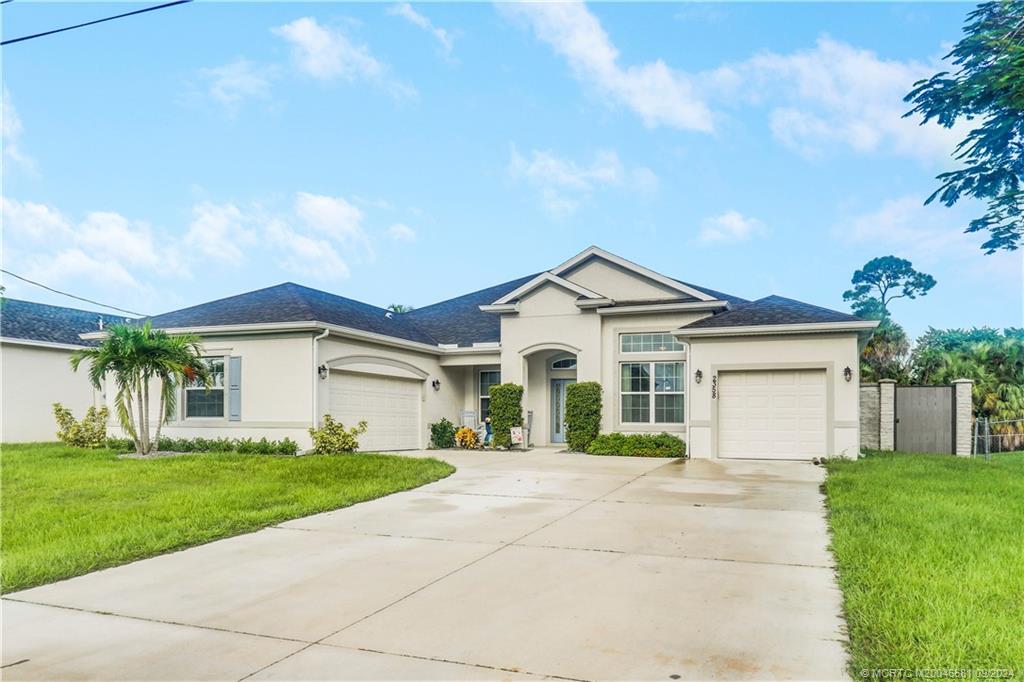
point(9, 341)
point(771, 329)
point(316, 375)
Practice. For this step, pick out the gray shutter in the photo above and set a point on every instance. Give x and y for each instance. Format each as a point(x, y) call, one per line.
point(235, 389)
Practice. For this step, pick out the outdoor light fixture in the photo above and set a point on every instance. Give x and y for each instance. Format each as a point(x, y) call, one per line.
point(848, 373)
point(436, 383)
point(322, 371)
point(698, 375)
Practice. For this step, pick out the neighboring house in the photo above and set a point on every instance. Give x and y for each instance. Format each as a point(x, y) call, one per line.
point(36, 342)
point(771, 378)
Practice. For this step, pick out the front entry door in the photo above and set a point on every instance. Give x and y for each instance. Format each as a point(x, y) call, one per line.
point(558, 409)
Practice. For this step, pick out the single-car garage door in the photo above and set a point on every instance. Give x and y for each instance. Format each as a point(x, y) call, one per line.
point(776, 414)
point(390, 406)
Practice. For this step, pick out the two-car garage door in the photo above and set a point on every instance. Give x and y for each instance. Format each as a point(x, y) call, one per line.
point(390, 406)
point(773, 414)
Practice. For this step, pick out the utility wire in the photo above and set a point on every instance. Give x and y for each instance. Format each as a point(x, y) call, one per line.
point(64, 293)
point(94, 21)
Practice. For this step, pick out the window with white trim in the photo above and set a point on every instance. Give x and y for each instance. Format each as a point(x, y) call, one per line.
point(647, 385)
point(564, 363)
point(488, 378)
point(203, 402)
point(650, 343)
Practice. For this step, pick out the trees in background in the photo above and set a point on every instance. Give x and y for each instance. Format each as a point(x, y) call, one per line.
point(987, 90)
point(881, 281)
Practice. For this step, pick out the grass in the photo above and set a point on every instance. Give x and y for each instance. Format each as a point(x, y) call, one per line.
point(930, 550)
point(67, 511)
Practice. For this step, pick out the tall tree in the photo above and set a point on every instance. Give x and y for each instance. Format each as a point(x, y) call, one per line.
point(882, 280)
point(988, 87)
point(134, 357)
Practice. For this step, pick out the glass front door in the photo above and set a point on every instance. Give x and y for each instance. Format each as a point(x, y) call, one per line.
point(558, 409)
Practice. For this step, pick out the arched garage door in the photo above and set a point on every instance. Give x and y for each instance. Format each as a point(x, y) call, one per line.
point(772, 414)
point(390, 406)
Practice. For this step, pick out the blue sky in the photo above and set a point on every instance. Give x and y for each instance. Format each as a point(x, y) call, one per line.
point(400, 153)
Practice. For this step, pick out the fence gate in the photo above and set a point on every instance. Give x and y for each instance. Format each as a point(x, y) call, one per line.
point(924, 419)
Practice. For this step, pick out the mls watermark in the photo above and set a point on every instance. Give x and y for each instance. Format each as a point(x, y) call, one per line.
point(938, 673)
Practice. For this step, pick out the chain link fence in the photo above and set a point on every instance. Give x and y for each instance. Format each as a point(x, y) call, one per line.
point(997, 435)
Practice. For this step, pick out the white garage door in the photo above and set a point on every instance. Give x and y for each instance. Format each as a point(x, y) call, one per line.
point(390, 406)
point(772, 414)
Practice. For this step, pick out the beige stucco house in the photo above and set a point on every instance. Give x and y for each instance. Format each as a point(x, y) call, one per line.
point(772, 378)
point(36, 342)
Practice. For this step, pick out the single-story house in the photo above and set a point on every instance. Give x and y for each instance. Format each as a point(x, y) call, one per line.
point(772, 378)
point(36, 342)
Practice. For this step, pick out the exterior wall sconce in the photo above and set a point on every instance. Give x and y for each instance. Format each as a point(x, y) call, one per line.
point(322, 372)
point(848, 373)
point(698, 376)
point(436, 383)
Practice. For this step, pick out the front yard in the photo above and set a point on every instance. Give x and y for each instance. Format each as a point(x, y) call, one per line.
point(930, 551)
point(68, 511)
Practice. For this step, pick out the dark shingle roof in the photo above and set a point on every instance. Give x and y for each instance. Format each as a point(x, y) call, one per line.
point(460, 320)
point(290, 302)
point(734, 300)
point(769, 311)
point(49, 323)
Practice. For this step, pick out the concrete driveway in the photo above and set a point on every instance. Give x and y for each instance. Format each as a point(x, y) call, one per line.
point(541, 564)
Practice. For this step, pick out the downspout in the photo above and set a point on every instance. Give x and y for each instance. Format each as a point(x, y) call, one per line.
point(316, 376)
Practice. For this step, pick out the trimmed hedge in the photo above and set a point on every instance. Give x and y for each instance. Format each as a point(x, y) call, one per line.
point(506, 412)
point(442, 434)
point(582, 414)
point(638, 445)
point(244, 446)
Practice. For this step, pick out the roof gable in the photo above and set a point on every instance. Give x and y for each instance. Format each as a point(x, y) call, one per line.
point(547, 279)
point(596, 252)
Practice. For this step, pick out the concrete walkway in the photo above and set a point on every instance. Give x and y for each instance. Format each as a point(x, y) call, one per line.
point(541, 564)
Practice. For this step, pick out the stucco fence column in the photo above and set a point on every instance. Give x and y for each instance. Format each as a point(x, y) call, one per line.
point(963, 411)
point(886, 414)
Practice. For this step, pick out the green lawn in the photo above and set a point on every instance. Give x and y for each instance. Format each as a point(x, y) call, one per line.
point(68, 511)
point(930, 551)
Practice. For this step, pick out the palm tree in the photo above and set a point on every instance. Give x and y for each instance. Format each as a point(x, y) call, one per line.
point(134, 357)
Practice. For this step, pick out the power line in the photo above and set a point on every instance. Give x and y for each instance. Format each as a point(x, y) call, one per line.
point(94, 21)
point(64, 293)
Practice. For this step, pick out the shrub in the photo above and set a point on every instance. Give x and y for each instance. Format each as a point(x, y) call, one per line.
point(242, 446)
point(466, 438)
point(91, 432)
point(582, 414)
point(121, 444)
point(638, 445)
point(442, 434)
point(333, 438)
point(506, 412)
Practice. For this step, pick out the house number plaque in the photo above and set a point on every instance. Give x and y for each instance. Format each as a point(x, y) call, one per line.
point(714, 387)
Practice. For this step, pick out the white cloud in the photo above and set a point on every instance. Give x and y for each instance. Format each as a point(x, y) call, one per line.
point(33, 221)
point(729, 227)
point(71, 264)
point(10, 133)
point(327, 54)
point(335, 218)
point(563, 183)
point(219, 231)
point(837, 95)
point(443, 37)
point(111, 235)
point(659, 94)
point(306, 255)
point(400, 232)
point(232, 83)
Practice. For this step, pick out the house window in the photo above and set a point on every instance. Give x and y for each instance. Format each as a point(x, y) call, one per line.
point(203, 402)
point(488, 378)
point(651, 384)
point(564, 363)
point(650, 343)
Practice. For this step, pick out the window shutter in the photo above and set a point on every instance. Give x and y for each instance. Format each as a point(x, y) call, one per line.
point(235, 389)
